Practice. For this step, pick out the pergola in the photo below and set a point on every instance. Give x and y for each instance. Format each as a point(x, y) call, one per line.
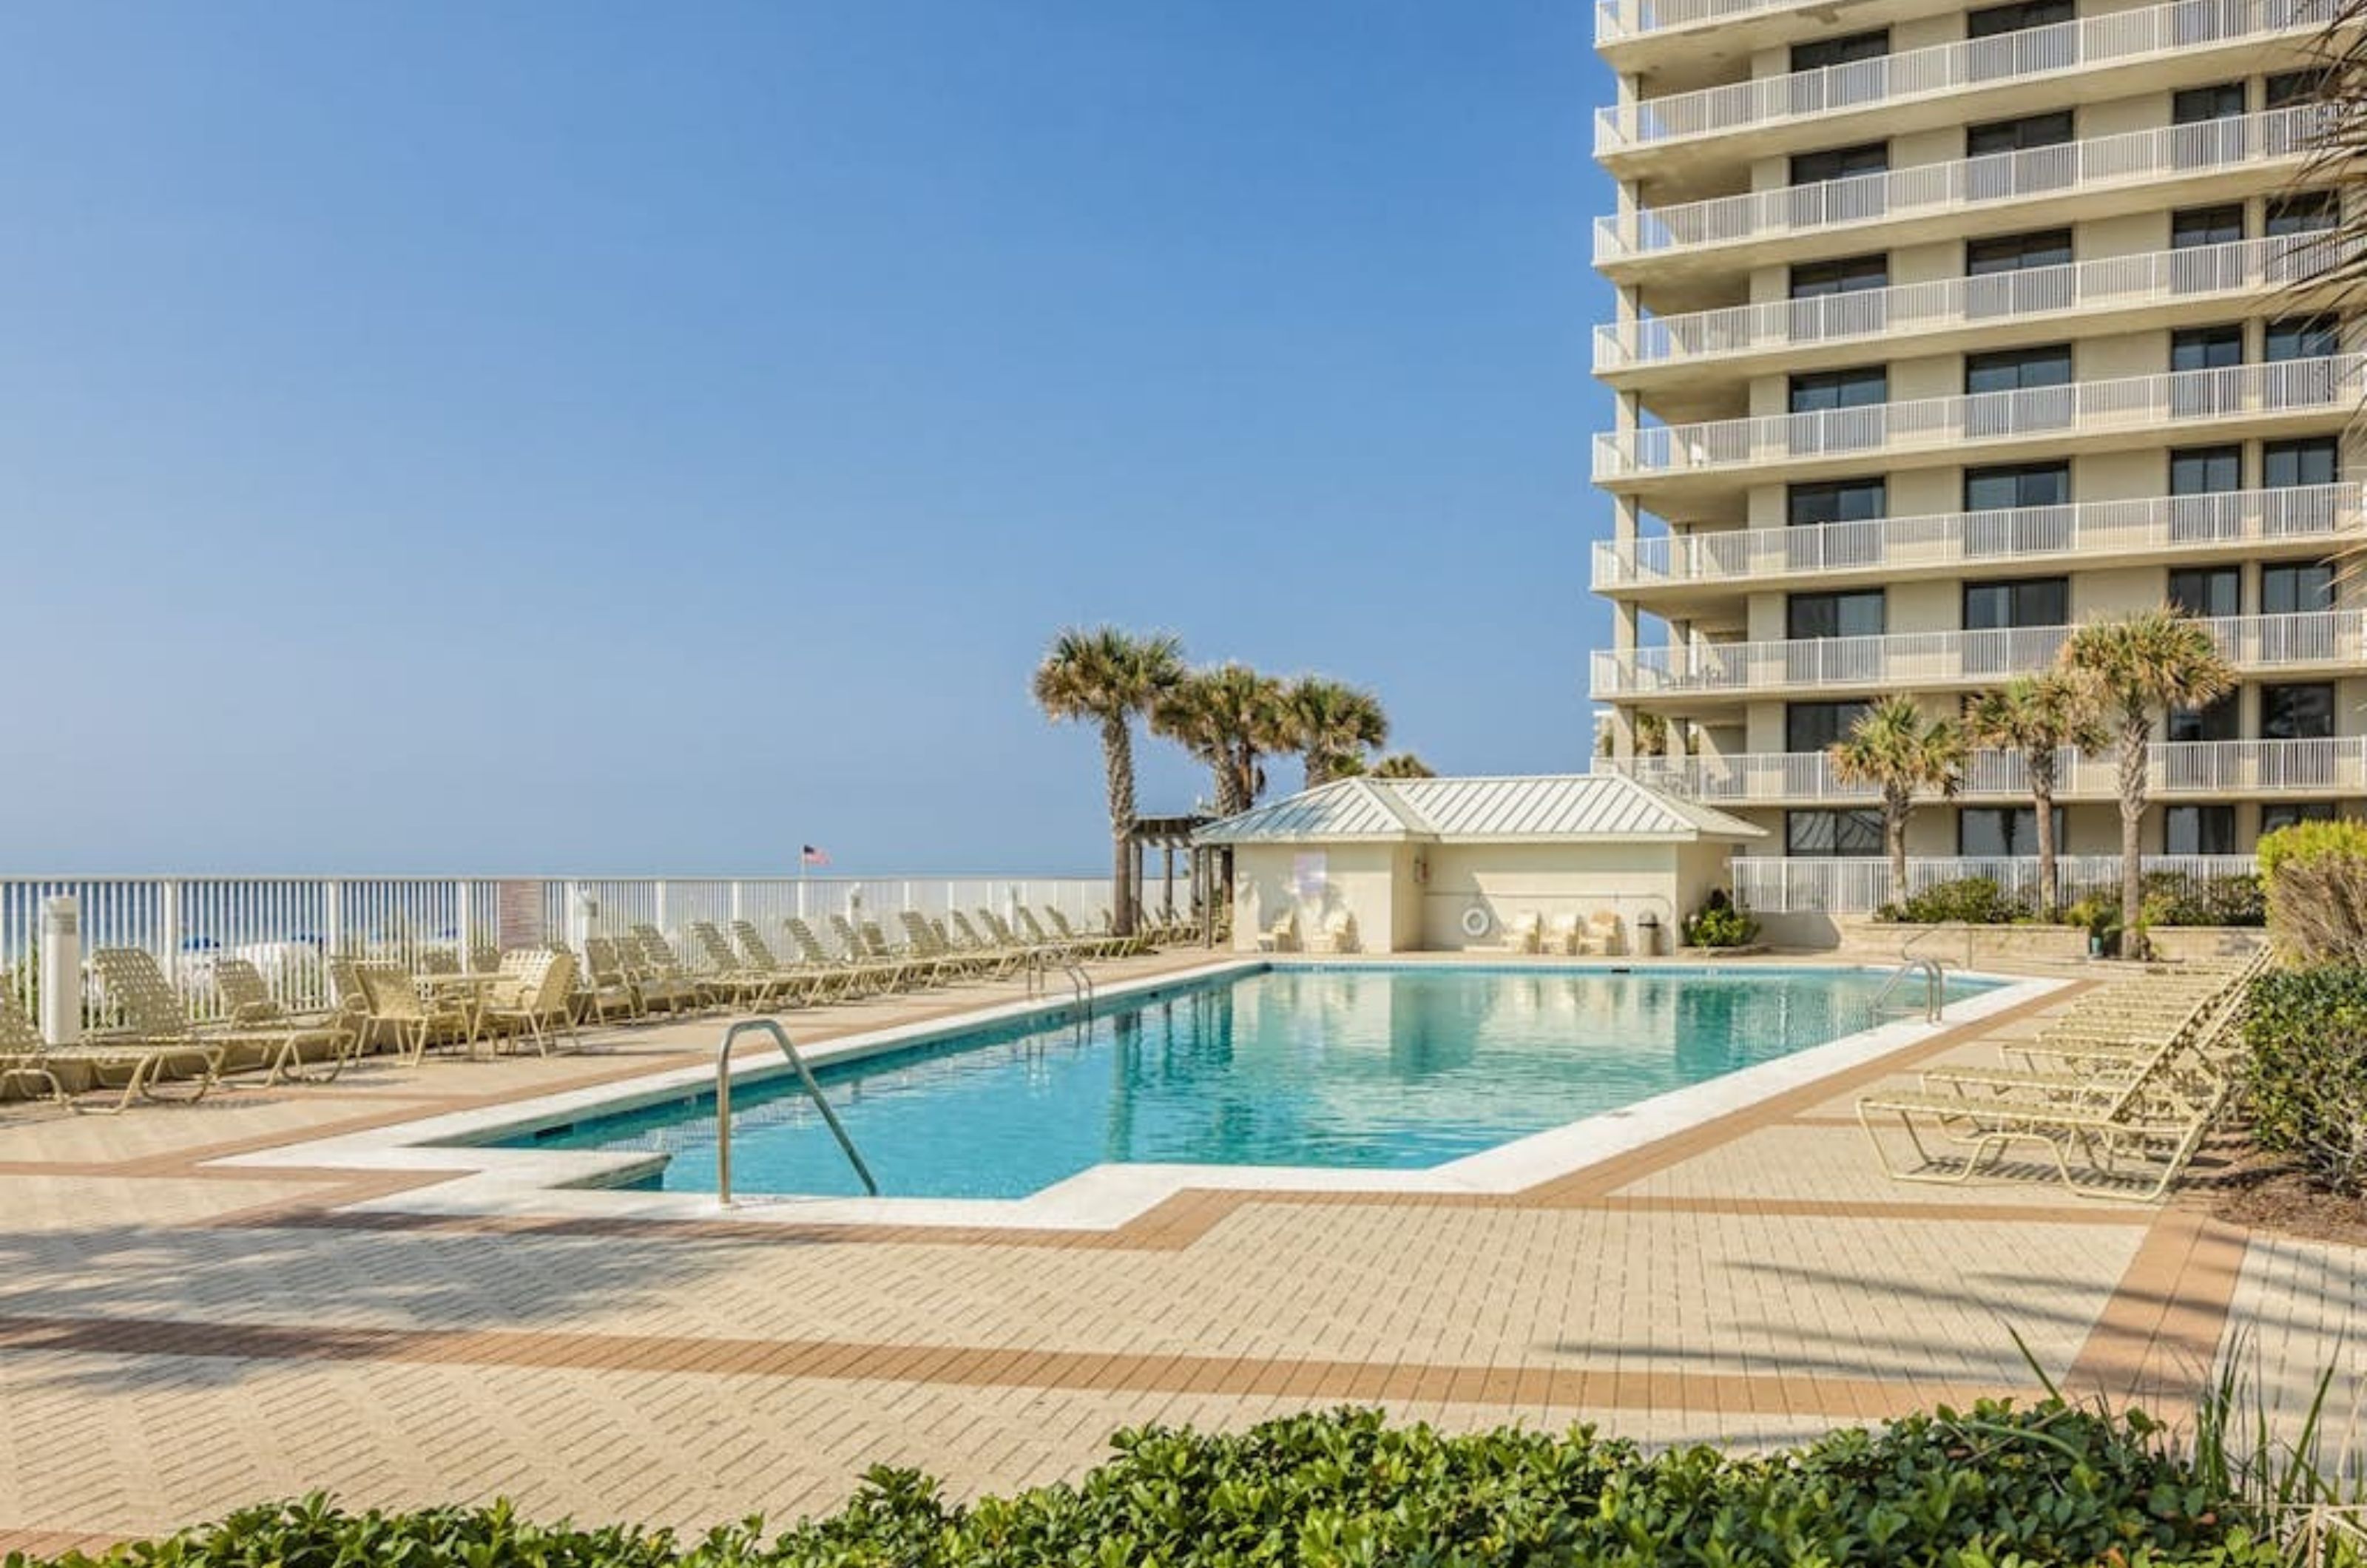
point(1168, 835)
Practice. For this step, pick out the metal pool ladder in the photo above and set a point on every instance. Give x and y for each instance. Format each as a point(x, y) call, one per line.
point(1081, 984)
point(813, 1091)
point(1935, 983)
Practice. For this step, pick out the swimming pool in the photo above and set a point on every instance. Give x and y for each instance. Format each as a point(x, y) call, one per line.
point(1356, 1067)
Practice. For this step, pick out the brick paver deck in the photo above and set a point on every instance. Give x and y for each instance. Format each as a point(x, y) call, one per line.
point(178, 1336)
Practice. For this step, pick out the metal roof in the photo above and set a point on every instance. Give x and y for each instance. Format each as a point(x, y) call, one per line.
point(1600, 808)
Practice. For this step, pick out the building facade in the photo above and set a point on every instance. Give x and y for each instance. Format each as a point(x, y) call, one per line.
point(1939, 329)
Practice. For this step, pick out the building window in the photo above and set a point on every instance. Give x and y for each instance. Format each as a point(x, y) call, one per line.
point(2284, 814)
point(2206, 348)
point(2007, 485)
point(1820, 53)
point(2206, 226)
point(1834, 615)
point(2018, 369)
point(2297, 588)
point(1818, 391)
point(2017, 601)
point(2297, 713)
point(1841, 164)
point(1991, 20)
point(1851, 274)
point(2198, 830)
point(1836, 501)
point(2206, 470)
point(2208, 590)
point(2023, 135)
point(2311, 212)
point(2310, 461)
point(2192, 105)
point(2220, 721)
point(2017, 252)
point(1813, 727)
point(2303, 337)
point(1832, 832)
point(1991, 831)
point(2287, 88)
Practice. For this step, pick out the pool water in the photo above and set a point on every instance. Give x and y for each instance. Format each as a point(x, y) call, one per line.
point(1364, 1068)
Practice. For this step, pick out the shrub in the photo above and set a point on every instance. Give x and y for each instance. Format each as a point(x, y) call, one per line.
point(1994, 1487)
point(2306, 1071)
point(2171, 899)
point(1718, 923)
point(1969, 900)
point(2316, 876)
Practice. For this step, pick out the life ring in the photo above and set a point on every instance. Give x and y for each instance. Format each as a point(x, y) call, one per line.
point(1478, 921)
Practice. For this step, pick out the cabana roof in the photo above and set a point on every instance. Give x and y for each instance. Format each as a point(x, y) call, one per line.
point(1607, 808)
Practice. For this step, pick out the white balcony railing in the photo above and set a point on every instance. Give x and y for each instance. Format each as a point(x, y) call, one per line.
point(1951, 658)
point(2121, 35)
point(289, 926)
point(1927, 189)
point(2145, 524)
point(1778, 885)
point(2336, 765)
point(2140, 404)
point(2128, 282)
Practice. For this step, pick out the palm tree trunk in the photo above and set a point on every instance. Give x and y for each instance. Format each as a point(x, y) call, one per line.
point(1117, 760)
point(2135, 733)
point(2042, 799)
point(1893, 829)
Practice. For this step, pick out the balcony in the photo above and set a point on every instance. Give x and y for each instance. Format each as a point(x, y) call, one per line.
point(1971, 306)
point(1940, 427)
point(1767, 103)
point(1913, 661)
point(2144, 525)
point(2185, 768)
point(2137, 158)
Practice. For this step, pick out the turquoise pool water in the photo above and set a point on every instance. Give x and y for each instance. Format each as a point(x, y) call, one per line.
point(1365, 1068)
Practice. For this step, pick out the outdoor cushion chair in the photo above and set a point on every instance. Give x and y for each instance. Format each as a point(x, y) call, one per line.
point(328, 1040)
point(415, 1019)
point(149, 1010)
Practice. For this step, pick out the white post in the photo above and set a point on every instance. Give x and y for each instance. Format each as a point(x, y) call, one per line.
point(61, 970)
point(333, 918)
point(661, 921)
point(467, 924)
point(169, 935)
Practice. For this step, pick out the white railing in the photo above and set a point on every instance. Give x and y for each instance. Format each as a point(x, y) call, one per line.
point(1949, 540)
point(1925, 190)
point(288, 926)
point(1773, 884)
point(2121, 35)
point(2172, 768)
point(1616, 21)
point(1932, 658)
point(2191, 275)
point(2133, 403)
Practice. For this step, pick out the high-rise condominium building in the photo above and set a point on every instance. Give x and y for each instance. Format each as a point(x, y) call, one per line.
point(1939, 330)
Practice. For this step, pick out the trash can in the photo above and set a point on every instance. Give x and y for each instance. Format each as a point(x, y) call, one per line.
point(1648, 937)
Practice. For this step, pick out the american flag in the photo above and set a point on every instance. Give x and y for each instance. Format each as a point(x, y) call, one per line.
point(810, 855)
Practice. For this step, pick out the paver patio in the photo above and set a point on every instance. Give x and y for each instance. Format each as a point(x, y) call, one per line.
point(178, 1336)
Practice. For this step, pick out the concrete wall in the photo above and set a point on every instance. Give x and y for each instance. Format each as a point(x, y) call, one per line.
point(1364, 881)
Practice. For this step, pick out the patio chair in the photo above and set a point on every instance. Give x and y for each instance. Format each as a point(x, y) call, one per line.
point(849, 974)
point(484, 958)
point(740, 985)
point(1338, 933)
point(415, 1019)
point(999, 957)
point(1604, 935)
point(24, 1055)
point(608, 983)
point(1525, 933)
point(893, 973)
point(250, 1006)
point(153, 1014)
point(1098, 944)
point(800, 982)
point(664, 974)
point(1281, 936)
point(537, 1005)
point(922, 939)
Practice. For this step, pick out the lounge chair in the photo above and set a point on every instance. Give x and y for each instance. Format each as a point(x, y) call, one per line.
point(24, 1055)
point(1281, 936)
point(537, 1004)
point(1095, 945)
point(334, 1039)
point(1338, 933)
point(725, 971)
point(153, 1015)
point(663, 973)
point(997, 958)
point(608, 983)
point(800, 982)
point(850, 975)
point(1604, 935)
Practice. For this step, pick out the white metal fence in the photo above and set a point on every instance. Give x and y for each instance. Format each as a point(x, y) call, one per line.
point(2331, 766)
point(1772, 884)
point(1924, 190)
point(2116, 37)
point(289, 926)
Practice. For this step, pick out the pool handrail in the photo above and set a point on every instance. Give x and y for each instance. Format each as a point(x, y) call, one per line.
point(813, 1091)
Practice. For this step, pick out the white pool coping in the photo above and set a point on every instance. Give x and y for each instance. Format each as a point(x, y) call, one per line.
point(509, 1183)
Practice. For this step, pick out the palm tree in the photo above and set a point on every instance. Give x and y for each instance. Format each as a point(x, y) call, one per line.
point(1229, 718)
point(1403, 765)
point(1899, 751)
point(1106, 677)
point(1330, 722)
point(2040, 716)
point(2141, 664)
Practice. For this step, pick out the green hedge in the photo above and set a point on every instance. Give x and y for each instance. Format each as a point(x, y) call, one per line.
point(2305, 1071)
point(1986, 1489)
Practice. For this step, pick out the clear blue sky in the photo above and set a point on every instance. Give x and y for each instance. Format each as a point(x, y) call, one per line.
point(558, 436)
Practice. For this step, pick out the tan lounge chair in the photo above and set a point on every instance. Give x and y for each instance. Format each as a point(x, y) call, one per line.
point(329, 1041)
